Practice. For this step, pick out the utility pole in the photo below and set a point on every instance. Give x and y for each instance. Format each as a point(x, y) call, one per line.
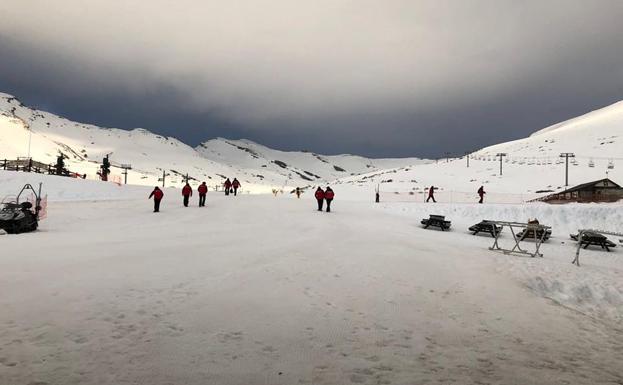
point(501, 155)
point(29, 140)
point(567, 155)
point(447, 157)
point(467, 156)
point(125, 168)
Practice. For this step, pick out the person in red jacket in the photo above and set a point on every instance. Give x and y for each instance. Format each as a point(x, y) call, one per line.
point(202, 190)
point(431, 194)
point(157, 194)
point(235, 184)
point(319, 197)
point(187, 192)
point(328, 196)
point(227, 185)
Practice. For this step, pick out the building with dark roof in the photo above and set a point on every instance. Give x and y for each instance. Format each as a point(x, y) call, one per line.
point(603, 190)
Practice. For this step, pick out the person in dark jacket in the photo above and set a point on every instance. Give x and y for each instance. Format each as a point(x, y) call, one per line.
point(187, 192)
point(319, 197)
point(328, 196)
point(235, 185)
point(431, 194)
point(202, 190)
point(157, 194)
point(481, 194)
point(227, 185)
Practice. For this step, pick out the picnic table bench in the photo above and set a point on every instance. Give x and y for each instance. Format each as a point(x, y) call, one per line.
point(534, 232)
point(594, 234)
point(437, 221)
point(592, 238)
point(486, 226)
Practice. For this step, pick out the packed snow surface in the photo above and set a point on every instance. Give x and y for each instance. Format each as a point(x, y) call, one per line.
point(258, 289)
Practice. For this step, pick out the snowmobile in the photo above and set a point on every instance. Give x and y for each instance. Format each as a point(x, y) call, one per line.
point(21, 216)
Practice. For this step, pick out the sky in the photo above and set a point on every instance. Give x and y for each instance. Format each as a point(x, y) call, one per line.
point(383, 78)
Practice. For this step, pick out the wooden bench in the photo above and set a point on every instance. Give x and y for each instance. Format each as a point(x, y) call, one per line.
point(590, 238)
point(437, 221)
point(486, 227)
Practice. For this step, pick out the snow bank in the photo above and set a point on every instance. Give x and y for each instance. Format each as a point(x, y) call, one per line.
point(58, 188)
point(564, 219)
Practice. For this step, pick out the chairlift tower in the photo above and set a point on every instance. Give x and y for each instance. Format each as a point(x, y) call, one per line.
point(125, 168)
point(501, 155)
point(567, 155)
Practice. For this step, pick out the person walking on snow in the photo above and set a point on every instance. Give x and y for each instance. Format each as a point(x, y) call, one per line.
point(157, 194)
point(202, 190)
point(319, 197)
point(481, 194)
point(187, 192)
point(297, 191)
point(227, 185)
point(328, 196)
point(236, 185)
point(431, 194)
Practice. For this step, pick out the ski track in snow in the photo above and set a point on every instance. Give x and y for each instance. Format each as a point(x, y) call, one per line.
point(264, 290)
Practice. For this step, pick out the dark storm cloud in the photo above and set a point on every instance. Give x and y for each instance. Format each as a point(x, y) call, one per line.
point(382, 78)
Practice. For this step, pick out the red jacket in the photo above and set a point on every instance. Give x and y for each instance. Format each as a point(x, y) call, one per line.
point(203, 189)
point(227, 184)
point(431, 191)
point(319, 194)
point(187, 191)
point(329, 194)
point(157, 194)
point(235, 183)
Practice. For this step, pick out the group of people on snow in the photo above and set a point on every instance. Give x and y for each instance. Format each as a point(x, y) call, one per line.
point(324, 195)
point(231, 186)
point(187, 191)
point(157, 194)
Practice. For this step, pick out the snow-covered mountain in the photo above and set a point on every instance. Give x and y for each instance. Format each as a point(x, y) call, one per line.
point(531, 164)
point(308, 166)
point(257, 167)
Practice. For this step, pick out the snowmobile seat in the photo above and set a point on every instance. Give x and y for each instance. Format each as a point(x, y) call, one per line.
point(590, 238)
point(486, 226)
point(436, 221)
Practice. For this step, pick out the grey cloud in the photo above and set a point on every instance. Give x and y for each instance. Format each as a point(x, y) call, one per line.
point(378, 77)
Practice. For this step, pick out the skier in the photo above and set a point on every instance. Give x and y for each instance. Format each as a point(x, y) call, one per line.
point(481, 194)
point(236, 185)
point(203, 190)
point(431, 194)
point(328, 195)
point(298, 192)
point(157, 194)
point(319, 197)
point(227, 185)
point(187, 192)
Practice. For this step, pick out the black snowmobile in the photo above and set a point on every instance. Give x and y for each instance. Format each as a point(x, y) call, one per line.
point(21, 217)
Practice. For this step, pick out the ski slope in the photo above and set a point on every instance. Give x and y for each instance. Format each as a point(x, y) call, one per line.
point(532, 165)
point(150, 155)
point(257, 289)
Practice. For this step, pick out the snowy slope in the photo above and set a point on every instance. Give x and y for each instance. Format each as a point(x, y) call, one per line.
point(150, 154)
point(107, 292)
point(531, 165)
point(306, 165)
